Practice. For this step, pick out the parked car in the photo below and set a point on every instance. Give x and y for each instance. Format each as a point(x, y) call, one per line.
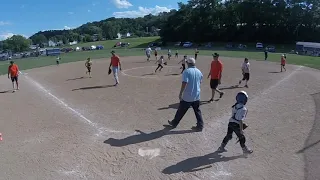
point(99, 47)
point(124, 44)
point(177, 44)
point(271, 48)
point(229, 46)
point(259, 45)
point(155, 44)
point(242, 46)
point(187, 44)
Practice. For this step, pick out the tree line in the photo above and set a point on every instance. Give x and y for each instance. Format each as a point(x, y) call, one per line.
point(269, 21)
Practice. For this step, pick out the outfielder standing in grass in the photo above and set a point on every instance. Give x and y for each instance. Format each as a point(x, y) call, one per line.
point(13, 73)
point(88, 64)
point(236, 125)
point(115, 63)
point(196, 52)
point(215, 74)
point(245, 72)
point(283, 62)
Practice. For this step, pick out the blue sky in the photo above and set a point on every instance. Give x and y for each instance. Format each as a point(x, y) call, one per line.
point(27, 17)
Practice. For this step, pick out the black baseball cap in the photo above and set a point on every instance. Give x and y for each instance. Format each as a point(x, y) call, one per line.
point(112, 52)
point(11, 62)
point(215, 55)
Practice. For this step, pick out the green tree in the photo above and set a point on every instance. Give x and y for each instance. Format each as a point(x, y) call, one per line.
point(17, 43)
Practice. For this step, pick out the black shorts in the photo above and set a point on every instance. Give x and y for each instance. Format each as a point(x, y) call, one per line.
point(177, 54)
point(246, 76)
point(89, 69)
point(214, 83)
point(14, 79)
point(148, 55)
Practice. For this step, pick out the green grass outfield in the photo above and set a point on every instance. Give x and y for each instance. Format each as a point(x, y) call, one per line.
point(33, 62)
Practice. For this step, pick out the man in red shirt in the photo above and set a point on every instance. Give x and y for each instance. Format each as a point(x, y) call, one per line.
point(115, 63)
point(215, 73)
point(13, 73)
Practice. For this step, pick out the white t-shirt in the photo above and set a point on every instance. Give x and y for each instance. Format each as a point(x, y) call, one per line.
point(246, 67)
point(169, 51)
point(160, 61)
point(239, 113)
point(184, 61)
point(148, 51)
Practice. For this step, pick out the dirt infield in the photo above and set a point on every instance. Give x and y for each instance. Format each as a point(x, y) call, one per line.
point(63, 125)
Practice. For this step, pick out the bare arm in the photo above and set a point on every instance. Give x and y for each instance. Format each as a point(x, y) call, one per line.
point(241, 127)
point(8, 72)
point(120, 65)
point(183, 86)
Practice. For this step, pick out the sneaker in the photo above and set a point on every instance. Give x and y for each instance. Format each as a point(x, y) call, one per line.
point(246, 86)
point(221, 94)
point(197, 129)
point(247, 150)
point(221, 149)
point(171, 124)
point(239, 82)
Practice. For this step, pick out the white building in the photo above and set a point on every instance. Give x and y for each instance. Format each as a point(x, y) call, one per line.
point(73, 43)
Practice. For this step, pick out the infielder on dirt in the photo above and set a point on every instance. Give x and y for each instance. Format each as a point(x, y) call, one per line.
point(13, 73)
point(115, 63)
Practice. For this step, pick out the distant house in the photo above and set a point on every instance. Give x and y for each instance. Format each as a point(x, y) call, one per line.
point(73, 43)
point(33, 47)
point(54, 44)
point(128, 35)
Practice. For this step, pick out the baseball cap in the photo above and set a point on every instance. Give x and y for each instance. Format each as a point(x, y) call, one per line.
point(112, 52)
point(215, 55)
point(11, 62)
point(191, 61)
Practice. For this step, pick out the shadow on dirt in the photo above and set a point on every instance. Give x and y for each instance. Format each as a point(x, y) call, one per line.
point(143, 137)
point(3, 92)
point(76, 78)
point(311, 150)
point(231, 87)
point(176, 105)
point(199, 163)
point(274, 72)
point(93, 87)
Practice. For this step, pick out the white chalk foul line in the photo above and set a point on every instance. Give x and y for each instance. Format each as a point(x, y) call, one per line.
point(66, 106)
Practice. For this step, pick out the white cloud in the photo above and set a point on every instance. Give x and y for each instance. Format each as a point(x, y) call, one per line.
point(4, 23)
point(68, 28)
point(122, 3)
point(6, 36)
point(141, 12)
point(71, 13)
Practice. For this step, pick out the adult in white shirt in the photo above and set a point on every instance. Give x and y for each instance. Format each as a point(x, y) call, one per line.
point(245, 72)
point(148, 53)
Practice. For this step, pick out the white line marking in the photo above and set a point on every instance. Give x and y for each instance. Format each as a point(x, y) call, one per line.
point(144, 77)
point(66, 106)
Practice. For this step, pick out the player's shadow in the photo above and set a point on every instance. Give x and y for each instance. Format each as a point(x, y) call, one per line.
point(148, 74)
point(144, 137)
point(93, 87)
point(199, 163)
point(308, 147)
point(173, 74)
point(230, 87)
point(3, 92)
point(274, 72)
point(176, 105)
point(76, 78)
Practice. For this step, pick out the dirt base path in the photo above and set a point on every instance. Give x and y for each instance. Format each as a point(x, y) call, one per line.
point(63, 125)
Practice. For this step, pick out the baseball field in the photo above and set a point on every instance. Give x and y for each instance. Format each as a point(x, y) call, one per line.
point(63, 125)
